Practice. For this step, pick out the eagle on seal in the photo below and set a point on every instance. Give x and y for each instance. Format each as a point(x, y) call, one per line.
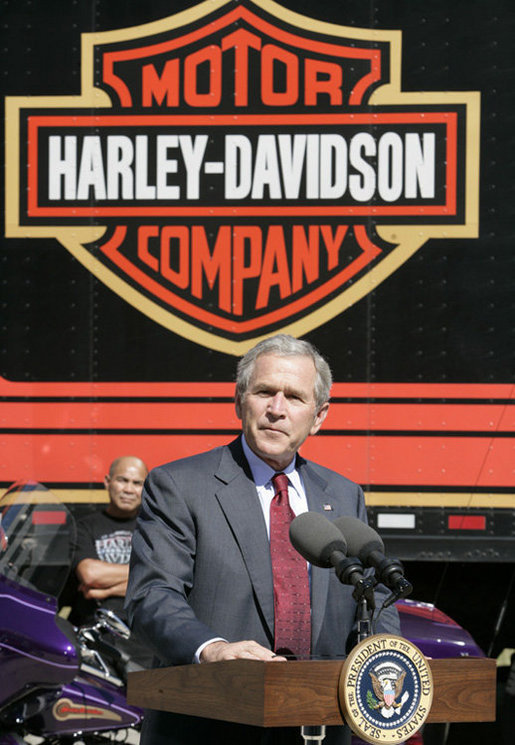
point(386, 693)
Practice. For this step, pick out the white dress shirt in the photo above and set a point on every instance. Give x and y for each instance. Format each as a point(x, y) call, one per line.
point(262, 474)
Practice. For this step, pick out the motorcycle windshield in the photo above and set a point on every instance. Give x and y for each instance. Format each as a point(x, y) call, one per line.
point(36, 538)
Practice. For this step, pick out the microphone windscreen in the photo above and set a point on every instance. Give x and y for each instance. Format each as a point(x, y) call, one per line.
point(361, 538)
point(316, 538)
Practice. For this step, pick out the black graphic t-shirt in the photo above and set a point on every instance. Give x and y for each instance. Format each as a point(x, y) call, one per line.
point(114, 548)
point(100, 536)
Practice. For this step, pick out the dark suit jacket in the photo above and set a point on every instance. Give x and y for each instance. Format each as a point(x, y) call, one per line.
point(200, 568)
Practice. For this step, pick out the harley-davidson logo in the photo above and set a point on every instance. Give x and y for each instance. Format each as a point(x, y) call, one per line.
point(238, 169)
point(65, 709)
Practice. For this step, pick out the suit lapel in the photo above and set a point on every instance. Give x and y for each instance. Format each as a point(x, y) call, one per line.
point(238, 499)
point(316, 494)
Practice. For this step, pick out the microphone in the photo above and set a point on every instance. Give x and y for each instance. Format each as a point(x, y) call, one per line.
point(321, 543)
point(366, 544)
point(317, 539)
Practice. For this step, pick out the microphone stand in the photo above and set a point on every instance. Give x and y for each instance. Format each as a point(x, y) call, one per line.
point(350, 572)
point(313, 735)
point(364, 622)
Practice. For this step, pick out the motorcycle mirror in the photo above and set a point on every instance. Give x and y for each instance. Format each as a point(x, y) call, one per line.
point(113, 622)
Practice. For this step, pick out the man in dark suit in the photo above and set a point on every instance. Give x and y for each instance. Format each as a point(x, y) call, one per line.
point(201, 585)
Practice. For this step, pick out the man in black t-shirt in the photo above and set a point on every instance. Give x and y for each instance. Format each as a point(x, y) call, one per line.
point(103, 544)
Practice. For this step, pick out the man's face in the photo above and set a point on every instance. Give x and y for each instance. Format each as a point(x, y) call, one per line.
point(278, 410)
point(124, 486)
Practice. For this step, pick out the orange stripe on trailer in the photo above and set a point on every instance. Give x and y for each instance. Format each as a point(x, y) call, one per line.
point(207, 389)
point(213, 415)
point(385, 460)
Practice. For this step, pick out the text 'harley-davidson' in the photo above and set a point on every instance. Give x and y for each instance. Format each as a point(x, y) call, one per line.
point(58, 684)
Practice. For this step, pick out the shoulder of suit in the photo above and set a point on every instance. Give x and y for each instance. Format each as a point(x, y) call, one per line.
point(326, 473)
point(206, 460)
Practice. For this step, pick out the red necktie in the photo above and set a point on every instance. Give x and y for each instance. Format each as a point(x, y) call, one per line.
point(291, 582)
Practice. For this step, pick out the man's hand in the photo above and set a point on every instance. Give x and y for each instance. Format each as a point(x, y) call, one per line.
point(245, 650)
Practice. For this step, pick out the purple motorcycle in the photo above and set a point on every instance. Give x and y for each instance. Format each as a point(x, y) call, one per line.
point(434, 632)
point(58, 684)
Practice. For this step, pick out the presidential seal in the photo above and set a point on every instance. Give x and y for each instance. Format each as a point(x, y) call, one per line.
point(385, 689)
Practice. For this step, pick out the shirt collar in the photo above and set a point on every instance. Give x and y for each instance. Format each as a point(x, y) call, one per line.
point(261, 471)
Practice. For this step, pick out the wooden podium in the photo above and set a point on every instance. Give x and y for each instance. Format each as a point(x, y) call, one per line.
point(296, 693)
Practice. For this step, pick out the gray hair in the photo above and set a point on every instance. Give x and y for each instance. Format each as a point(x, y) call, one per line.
point(284, 345)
